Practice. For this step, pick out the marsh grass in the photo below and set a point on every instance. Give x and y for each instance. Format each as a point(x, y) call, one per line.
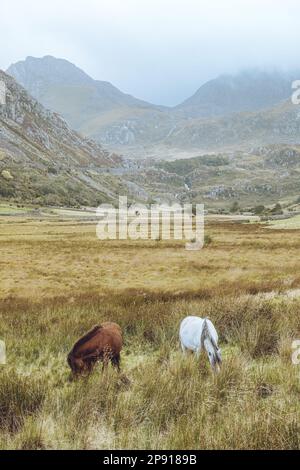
point(161, 399)
point(20, 396)
point(57, 281)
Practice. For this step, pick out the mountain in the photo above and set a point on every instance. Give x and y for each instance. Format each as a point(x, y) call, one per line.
point(95, 108)
point(277, 125)
point(43, 160)
point(230, 112)
point(251, 90)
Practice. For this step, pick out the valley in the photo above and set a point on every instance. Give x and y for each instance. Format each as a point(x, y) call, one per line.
point(245, 151)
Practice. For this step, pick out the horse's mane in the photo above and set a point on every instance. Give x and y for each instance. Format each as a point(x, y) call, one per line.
point(89, 335)
point(207, 335)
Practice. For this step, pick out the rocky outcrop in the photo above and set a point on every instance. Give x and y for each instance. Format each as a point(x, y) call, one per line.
point(43, 160)
point(26, 124)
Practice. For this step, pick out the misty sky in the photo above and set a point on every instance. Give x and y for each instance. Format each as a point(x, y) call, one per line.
point(157, 50)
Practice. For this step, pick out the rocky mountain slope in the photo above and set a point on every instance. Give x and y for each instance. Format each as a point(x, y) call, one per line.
point(247, 157)
point(43, 160)
point(265, 175)
point(250, 108)
point(280, 124)
point(95, 108)
point(251, 90)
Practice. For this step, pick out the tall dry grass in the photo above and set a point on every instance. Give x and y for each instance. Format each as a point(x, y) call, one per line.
point(57, 280)
point(161, 399)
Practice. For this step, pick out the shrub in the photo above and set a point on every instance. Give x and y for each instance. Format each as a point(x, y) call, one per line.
point(235, 207)
point(207, 240)
point(277, 209)
point(259, 209)
point(52, 170)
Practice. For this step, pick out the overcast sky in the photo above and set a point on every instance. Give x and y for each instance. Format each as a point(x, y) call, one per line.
point(157, 50)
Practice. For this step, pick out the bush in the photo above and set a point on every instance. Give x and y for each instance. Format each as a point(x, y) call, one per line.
point(259, 210)
point(207, 240)
point(52, 170)
point(235, 207)
point(6, 191)
point(277, 209)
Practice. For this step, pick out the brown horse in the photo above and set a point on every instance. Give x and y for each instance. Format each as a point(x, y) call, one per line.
point(104, 342)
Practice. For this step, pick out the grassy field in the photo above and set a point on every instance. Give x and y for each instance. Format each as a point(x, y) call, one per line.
point(290, 224)
point(57, 281)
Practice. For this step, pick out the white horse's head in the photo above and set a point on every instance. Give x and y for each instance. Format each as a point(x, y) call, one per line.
point(211, 347)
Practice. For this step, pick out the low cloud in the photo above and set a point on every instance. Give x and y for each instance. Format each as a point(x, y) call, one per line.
point(159, 50)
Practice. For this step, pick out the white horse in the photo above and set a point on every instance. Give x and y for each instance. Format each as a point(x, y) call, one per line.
point(199, 333)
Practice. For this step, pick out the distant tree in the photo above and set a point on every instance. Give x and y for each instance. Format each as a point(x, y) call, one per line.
point(277, 209)
point(235, 207)
point(259, 209)
point(207, 240)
